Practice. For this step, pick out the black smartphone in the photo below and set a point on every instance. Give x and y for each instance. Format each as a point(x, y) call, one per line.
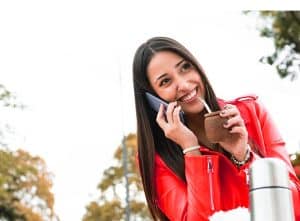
point(154, 102)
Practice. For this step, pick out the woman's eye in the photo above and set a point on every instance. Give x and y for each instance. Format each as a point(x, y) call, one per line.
point(186, 66)
point(164, 81)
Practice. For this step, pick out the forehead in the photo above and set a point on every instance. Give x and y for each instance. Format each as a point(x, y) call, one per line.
point(162, 61)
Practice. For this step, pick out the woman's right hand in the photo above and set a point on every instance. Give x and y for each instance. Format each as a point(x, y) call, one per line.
point(173, 128)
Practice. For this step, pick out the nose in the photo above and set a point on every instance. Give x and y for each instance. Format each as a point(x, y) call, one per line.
point(182, 84)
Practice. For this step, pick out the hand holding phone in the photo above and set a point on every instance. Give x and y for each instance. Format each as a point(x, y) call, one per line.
point(183, 136)
point(155, 103)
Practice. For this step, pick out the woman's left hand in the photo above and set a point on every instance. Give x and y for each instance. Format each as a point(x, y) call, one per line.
point(235, 124)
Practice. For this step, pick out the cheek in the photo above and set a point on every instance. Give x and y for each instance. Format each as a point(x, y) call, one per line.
point(168, 94)
point(202, 88)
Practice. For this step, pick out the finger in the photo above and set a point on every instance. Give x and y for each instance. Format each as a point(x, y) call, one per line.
point(176, 116)
point(160, 117)
point(169, 112)
point(239, 130)
point(232, 111)
point(236, 120)
point(228, 106)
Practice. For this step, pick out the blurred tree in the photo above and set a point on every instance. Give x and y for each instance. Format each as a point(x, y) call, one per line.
point(24, 181)
point(111, 204)
point(8, 99)
point(284, 28)
point(24, 187)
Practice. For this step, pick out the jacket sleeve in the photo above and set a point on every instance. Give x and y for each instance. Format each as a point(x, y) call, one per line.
point(195, 199)
point(274, 146)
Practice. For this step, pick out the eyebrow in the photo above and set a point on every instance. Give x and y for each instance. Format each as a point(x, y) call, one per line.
point(176, 65)
point(179, 63)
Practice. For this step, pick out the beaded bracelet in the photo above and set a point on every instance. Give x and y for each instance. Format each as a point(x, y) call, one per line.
point(241, 163)
point(189, 149)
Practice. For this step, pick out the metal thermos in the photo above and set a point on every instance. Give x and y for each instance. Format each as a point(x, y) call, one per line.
point(270, 196)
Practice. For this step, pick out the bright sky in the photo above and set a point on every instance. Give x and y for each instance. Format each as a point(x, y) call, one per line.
point(64, 59)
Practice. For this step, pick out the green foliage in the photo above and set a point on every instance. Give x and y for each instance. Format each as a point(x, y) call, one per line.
point(111, 204)
point(24, 187)
point(295, 160)
point(7, 99)
point(25, 182)
point(284, 28)
point(108, 211)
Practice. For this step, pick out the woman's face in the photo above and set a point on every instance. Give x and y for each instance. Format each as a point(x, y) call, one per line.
point(175, 79)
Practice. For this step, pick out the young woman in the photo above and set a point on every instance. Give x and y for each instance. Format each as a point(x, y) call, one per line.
point(185, 176)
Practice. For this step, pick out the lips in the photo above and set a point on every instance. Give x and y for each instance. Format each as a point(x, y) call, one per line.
point(189, 97)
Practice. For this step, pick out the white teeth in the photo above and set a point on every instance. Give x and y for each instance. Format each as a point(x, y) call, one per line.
point(189, 96)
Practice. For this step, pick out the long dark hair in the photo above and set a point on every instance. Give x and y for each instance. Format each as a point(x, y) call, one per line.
point(150, 137)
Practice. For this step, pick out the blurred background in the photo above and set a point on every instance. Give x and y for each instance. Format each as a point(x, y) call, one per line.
point(66, 100)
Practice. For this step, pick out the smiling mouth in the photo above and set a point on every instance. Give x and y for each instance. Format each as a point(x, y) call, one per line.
point(189, 97)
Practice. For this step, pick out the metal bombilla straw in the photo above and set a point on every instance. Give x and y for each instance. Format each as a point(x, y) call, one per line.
point(205, 105)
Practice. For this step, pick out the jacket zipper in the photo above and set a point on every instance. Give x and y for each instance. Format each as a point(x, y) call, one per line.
point(246, 171)
point(210, 171)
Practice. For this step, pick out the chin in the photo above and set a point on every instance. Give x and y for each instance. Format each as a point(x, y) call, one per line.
point(198, 111)
point(193, 110)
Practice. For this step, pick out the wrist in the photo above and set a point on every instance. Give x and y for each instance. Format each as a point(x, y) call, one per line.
point(241, 154)
point(191, 150)
point(193, 153)
point(244, 160)
point(189, 142)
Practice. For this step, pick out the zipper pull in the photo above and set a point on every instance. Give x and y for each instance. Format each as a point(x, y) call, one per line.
point(210, 182)
point(210, 168)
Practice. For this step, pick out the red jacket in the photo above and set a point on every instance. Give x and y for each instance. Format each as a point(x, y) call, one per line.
point(213, 182)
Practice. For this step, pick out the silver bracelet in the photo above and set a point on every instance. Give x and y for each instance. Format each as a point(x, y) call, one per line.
point(189, 149)
point(241, 163)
